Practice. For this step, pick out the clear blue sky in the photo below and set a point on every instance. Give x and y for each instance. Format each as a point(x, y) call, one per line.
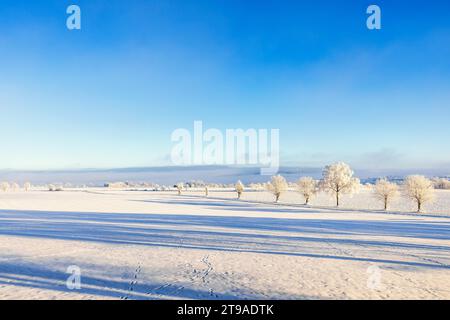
point(110, 94)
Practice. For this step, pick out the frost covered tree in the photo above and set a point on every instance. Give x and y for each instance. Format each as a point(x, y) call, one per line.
point(239, 187)
point(27, 186)
point(307, 187)
point(419, 189)
point(4, 186)
point(277, 186)
point(441, 183)
point(338, 179)
point(14, 186)
point(385, 191)
point(179, 187)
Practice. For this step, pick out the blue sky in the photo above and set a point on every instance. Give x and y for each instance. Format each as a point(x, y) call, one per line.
point(111, 94)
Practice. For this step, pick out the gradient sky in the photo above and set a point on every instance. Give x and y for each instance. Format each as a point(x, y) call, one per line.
point(111, 94)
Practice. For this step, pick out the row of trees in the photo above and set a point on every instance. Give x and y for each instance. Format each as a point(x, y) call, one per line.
point(441, 183)
point(5, 186)
point(338, 179)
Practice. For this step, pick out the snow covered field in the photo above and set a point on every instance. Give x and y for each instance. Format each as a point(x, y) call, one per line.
point(158, 245)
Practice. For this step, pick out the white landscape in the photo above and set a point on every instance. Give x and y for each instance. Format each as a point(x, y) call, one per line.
point(161, 245)
point(224, 150)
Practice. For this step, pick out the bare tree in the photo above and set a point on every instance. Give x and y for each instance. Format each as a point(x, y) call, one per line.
point(277, 186)
point(385, 191)
point(239, 187)
point(307, 186)
point(338, 179)
point(419, 189)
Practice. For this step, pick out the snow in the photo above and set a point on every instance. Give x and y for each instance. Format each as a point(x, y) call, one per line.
point(158, 245)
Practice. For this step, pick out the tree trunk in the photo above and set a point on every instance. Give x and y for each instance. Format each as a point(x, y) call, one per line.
point(277, 196)
point(419, 205)
point(337, 199)
point(385, 203)
point(239, 195)
point(307, 200)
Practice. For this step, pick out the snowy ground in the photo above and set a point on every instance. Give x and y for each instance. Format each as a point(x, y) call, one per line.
point(157, 245)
